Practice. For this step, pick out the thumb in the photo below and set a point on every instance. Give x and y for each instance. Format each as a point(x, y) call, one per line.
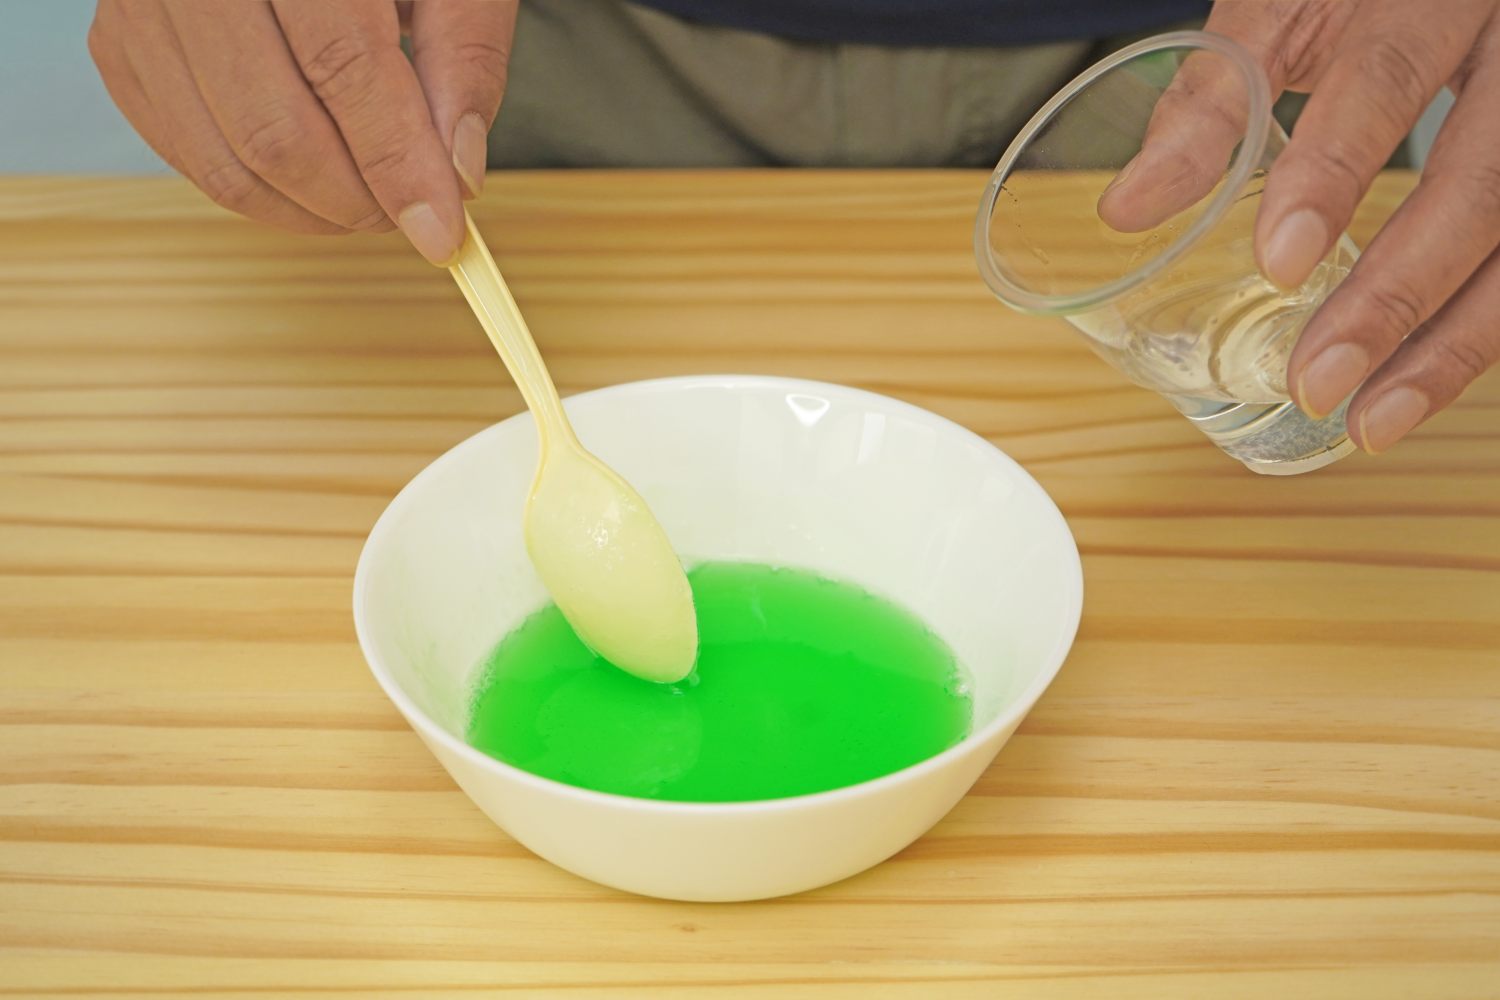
point(460, 49)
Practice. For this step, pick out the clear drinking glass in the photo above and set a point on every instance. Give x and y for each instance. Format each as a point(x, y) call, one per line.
point(1158, 269)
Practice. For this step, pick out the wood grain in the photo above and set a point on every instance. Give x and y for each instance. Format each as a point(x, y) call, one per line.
point(1270, 767)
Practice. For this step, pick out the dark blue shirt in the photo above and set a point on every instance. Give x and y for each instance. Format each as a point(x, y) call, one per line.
point(937, 22)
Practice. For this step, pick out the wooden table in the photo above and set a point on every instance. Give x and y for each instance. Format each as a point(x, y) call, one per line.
point(1271, 766)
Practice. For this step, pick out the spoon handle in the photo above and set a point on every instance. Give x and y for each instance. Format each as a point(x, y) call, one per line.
point(475, 271)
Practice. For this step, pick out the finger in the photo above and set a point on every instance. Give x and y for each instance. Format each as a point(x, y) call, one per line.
point(1447, 227)
point(1433, 366)
point(123, 87)
point(1194, 128)
point(349, 51)
point(461, 49)
point(276, 127)
point(1201, 117)
point(1393, 61)
point(206, 157)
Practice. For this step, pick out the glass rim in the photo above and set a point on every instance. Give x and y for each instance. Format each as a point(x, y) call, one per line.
point(1251, 147)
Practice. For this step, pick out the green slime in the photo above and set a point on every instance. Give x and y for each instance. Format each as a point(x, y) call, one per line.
point(802, 685)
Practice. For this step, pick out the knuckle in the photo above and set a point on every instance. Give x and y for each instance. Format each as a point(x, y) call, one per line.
point(1470, 173)
point(1398, 72)
point(342, 66)
point(1302, 48)
point(1466, 357)
point(1469, 207)
point(98, 43)
point(485, 57)
point(385, 160)
point(1397, 305)
point(1480, 184)
point(271, 146)
point(229, 184)
point(1338, 165)
point(1388, 123)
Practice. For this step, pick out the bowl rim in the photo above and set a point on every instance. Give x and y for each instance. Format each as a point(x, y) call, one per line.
point(1007, 718)
point(1259, 123)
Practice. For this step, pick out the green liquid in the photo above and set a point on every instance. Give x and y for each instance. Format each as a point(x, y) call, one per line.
point(802, 685)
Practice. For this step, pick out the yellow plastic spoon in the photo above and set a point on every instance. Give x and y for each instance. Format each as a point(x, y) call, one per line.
point(600, 553)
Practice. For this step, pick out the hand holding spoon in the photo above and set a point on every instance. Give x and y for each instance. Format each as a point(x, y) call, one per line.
point(601, 554)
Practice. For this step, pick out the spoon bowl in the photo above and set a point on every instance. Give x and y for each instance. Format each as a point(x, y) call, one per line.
point(610, 567)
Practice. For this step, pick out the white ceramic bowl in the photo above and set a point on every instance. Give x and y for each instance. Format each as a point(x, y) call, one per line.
point(846, 483)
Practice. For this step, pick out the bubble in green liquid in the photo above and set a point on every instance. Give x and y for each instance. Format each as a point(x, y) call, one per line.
point(802, 685)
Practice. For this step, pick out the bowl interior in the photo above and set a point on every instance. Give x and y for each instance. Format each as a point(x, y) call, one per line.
point(846, 483)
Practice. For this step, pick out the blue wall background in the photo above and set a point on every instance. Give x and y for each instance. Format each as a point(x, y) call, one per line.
point(55, 115)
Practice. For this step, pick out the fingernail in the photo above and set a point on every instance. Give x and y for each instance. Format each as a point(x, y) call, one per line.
point(471, 151)
point(1391, 417)
point(1122, 176)
point(1296, 245)
point(427, 233)
point(1330, 377)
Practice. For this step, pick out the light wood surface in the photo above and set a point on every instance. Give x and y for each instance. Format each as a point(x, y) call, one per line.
point(1271, 766)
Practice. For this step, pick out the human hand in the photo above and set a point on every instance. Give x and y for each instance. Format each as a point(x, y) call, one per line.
point(1416, 319)
point(307, 115)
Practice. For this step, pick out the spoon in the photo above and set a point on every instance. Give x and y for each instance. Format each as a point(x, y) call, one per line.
point(600, 553)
